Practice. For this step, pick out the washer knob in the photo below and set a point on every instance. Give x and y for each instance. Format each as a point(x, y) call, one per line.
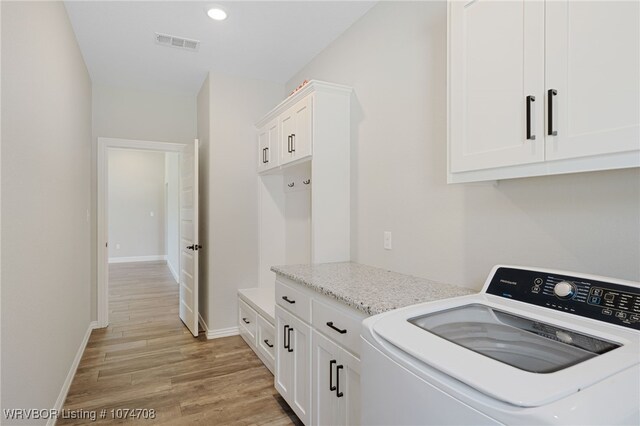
point(565, 290)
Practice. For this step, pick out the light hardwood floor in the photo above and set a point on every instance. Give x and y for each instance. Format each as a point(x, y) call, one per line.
point(147, 359)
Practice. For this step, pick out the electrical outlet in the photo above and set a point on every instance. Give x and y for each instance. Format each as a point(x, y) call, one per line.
point(152, 214)
point(117, 246)
point(387, 240)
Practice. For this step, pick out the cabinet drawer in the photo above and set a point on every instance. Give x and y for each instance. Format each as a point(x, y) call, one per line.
point(338, 325)
point(247, 319)
point(294, 301)
point(266, 341)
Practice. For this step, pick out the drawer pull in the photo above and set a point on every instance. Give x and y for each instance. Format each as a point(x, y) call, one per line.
point(330, 325)
point(266, 342)
point(246, 321)
point(338, 393)
point(286, 299)
point(331, 364)
point(289, 348)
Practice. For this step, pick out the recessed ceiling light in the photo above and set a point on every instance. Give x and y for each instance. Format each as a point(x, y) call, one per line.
point(217, 14)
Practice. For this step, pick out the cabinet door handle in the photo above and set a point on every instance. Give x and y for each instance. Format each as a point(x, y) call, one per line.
point(266, 342)
point(531, 118)
point(293, 142)
point(551, 110)
point(289, 348)
point(286, 299)
point(284, 337)
point(289, 144)
point(266, 155)
point(330, 325)
point(246, 321)
point(338, 393)
point(331, 364)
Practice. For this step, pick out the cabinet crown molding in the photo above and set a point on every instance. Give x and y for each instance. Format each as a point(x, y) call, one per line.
point(310, 87)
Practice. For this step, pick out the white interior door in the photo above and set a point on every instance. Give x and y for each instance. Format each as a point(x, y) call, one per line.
point(189, 247)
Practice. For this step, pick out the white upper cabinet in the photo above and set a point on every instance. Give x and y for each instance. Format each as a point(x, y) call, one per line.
point(542, 87)
point(268, 144)
point(497, 68)
point(296, 132)
point(593, 65)
point(311, 121)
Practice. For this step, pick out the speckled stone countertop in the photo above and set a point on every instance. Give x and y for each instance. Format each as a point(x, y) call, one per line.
point(368, 289)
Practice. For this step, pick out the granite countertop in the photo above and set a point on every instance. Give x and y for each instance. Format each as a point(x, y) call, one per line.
point(368, 289)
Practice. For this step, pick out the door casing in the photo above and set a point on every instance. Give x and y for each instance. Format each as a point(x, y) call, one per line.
point(104, 144)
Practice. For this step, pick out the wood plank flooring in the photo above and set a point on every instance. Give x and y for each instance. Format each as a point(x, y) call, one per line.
point(147, 359)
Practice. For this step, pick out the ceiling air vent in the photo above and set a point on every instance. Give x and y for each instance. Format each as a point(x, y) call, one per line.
point(173, 41)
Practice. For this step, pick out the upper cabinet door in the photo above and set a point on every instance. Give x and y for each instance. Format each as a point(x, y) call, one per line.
point(263, 148)
point(296, 138)
point(496, 83)
point(268, 146)
point(593, 64)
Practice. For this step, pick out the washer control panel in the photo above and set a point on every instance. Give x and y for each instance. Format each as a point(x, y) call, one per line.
point(605, 301)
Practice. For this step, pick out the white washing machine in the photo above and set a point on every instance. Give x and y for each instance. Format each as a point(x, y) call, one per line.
point(535, 346)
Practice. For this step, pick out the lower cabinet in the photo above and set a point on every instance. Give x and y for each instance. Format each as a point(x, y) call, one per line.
point(255, 323)
point(293, 362)
point(336, 384)
point(317, 369)
point(247, 322)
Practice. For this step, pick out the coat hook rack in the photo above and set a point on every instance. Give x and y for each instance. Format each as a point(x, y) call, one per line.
point(306, 182)
point(290, 185)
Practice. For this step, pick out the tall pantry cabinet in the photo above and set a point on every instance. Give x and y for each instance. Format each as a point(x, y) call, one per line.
point(542, 87)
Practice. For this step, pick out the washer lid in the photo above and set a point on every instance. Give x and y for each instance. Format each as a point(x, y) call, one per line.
point(514, 340)
point(502, 359)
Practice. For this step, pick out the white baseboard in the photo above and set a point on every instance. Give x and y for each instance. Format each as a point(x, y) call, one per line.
point(72, 372)
point(137, 258)
point(223, 332)
point(216, 334)
point(175, 274)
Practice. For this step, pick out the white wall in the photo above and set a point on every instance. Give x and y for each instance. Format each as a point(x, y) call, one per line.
point(135, 114)
point(395, 58)
point(46, 142)
point(229, 259)
point(172, 212)
point(136, 192)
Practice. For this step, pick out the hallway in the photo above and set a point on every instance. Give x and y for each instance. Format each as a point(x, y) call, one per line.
point(147, 359)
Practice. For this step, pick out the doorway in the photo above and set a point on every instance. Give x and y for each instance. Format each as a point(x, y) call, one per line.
point(184, 262)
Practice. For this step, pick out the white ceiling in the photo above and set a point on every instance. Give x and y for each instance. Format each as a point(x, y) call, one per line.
point(268, 40)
